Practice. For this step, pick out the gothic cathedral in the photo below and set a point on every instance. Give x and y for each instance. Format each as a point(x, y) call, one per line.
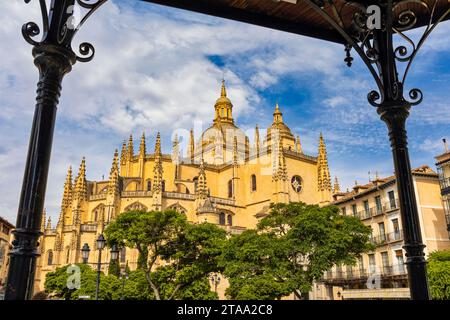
point(224, 179)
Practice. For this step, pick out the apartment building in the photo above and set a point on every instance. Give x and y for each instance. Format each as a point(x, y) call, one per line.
point(443, 168)
point(381, 274)
point(5, 240)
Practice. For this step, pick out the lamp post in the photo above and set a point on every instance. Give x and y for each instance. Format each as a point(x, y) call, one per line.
point(100, 243)
point(215, 279)
point(54, 58)
point(85, 253)
point(124, 277)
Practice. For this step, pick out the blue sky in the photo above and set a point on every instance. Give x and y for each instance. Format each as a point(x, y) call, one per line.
point(159, 69)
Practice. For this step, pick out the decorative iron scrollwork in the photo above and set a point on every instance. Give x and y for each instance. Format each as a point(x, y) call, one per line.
point(61, 27)
point(360, 38)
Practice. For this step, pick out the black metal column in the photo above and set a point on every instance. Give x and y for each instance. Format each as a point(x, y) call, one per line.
point(415, 256)
point(394, 110)
point(54, 57)
point(53, 64)
point(99, 272)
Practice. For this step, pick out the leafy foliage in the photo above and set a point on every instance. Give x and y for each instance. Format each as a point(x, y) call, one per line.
point(439, 274)
point(56, 284)
point(175, 256)
point(114, 268)
point(291, 247)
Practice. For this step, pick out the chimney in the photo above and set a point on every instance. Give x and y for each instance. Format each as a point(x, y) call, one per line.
point(445, 145)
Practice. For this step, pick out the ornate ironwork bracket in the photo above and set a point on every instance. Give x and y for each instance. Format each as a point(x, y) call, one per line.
point(54, 57)
point(395, 19)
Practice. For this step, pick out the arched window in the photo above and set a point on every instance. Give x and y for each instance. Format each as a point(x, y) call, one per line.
point(98, 212)
point(230, 220)
point(253, 181)
point(149, 185)
point(222, 219)
point(195, 183)
point(230, 189)
point(163, 185)
point(178, 208)
point(123, 254)
point(49, 257)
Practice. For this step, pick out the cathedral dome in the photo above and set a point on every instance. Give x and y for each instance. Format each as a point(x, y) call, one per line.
point(221, 135)
point(279, 127)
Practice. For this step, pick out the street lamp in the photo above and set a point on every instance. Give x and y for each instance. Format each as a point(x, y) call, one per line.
point(124, 277)
point(215, 279)
point(85, 253)
point(101, 242)
point(114, 253)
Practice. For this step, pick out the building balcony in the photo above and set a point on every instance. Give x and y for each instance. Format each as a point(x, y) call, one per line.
point(445, 185)
point(395, 236)
point(365, 214)
point(91, 227)
point(376, 211)
point(391, 206)
point(379, 240)
point(136, 194)
point(383, 239)
point(385, 293)
point(101, 196)
point(341, 277)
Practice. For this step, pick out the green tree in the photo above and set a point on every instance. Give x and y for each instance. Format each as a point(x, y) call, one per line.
point(62, 284)
point(114, 268)
point(188, 252)
point(291, 247)
point(439, 274)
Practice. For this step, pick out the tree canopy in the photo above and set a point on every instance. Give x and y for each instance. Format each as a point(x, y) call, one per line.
point(175, 256)
point(439, 274)
point(62, 283)
point(291, 247)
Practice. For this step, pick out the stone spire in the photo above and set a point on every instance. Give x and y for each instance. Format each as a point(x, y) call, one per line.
point(191, 145)
point(68, 188)
point(113, 184)
point(123, 154)
point(80, 191)
point(277, 115)
point(336, 188)
point(49, 224)
point(130, 148)
point(298, 145)
point(176, 150)
point(202, 188)
point(142, 150)
point(280, 170)
point(257, 146)
point(324, 181)
point(158, 169)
